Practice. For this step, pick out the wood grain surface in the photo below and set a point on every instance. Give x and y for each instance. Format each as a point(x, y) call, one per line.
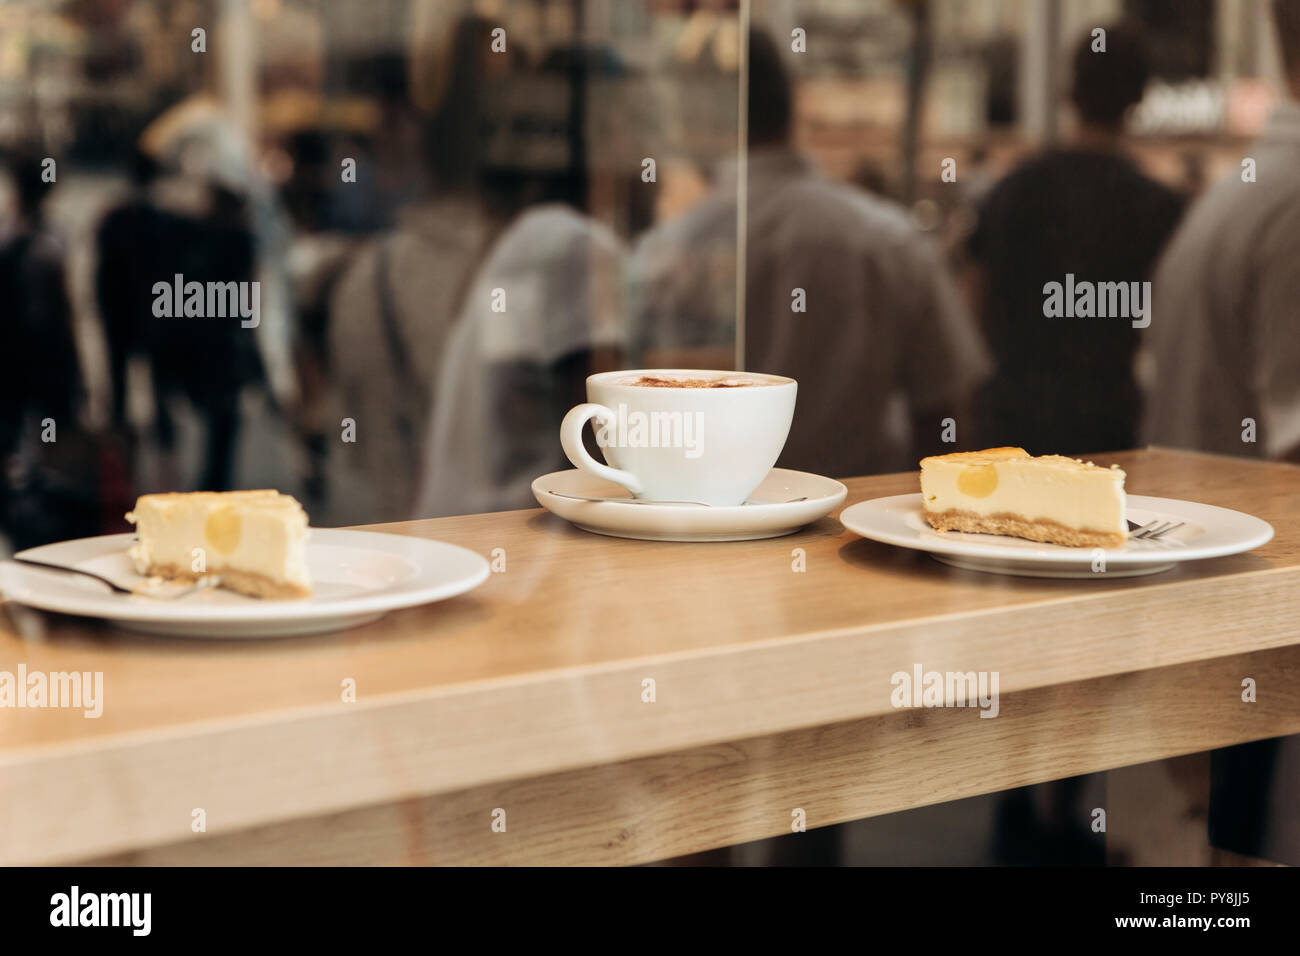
point(533, 684)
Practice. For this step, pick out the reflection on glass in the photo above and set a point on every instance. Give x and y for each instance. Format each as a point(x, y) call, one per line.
point(453, 212)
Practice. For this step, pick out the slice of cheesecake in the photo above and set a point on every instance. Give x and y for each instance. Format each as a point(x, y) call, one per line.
point(1007, 491)
point(255, 540)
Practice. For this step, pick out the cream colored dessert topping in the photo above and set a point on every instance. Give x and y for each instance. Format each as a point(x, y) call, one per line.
point(1009, 481)
point(257, 537)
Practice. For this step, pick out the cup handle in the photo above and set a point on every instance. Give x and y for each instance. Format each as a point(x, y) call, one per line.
point(571, 439)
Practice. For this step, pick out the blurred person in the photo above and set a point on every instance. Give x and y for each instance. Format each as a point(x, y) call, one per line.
point(44, 374)
point(47, 466)
point(1225, 348)
point(174, 222)
point(197, 225)
point(205, 147)
point(508, 378)
point(206, 361)
point(393, 309)
point(1066, 385)
point(1225, 333)
point(542, 314)
point(200, 209)
point(128, 242)
point(129, 237)
point(882, 349)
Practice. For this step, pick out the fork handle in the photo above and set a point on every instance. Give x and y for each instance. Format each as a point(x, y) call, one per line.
point(63, 567)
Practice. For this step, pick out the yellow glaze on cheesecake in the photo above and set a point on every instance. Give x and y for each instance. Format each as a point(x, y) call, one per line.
point(1007, 491)
point(256, 540)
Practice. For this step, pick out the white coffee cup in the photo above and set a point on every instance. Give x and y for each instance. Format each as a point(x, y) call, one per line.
point(711, 444)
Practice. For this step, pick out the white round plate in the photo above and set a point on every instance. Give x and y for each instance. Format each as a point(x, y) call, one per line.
point(768, 514)
point(357, 576)
point(1207, 532)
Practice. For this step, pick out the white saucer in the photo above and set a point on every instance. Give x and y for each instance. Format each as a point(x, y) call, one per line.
point(357, 577)
point(769, 515)
point(1207, 532)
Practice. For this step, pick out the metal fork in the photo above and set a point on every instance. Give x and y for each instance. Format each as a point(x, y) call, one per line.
point(1153, 530)
point(162, 593)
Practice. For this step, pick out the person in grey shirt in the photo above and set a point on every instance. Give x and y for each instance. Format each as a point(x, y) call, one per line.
point(509, 374)
point(1225, 339)
point(393, 310)
point(842, 293)
point(1225, 326)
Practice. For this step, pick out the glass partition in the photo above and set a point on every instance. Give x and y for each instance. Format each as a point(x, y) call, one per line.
point(444, 216)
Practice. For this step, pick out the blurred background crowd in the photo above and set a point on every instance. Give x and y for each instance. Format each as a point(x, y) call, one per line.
point(455, 211)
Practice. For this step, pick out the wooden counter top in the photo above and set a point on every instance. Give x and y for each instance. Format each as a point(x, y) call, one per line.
point(534, 682)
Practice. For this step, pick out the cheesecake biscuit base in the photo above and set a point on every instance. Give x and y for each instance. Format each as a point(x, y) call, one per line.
point(1018, 526)
point(245, 582)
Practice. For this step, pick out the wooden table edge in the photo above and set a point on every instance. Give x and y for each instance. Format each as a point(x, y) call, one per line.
point(216, 761)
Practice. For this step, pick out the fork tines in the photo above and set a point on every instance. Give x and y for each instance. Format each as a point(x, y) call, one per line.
point(1156, 529)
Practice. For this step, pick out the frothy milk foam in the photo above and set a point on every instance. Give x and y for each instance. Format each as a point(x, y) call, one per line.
point(657, 381)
